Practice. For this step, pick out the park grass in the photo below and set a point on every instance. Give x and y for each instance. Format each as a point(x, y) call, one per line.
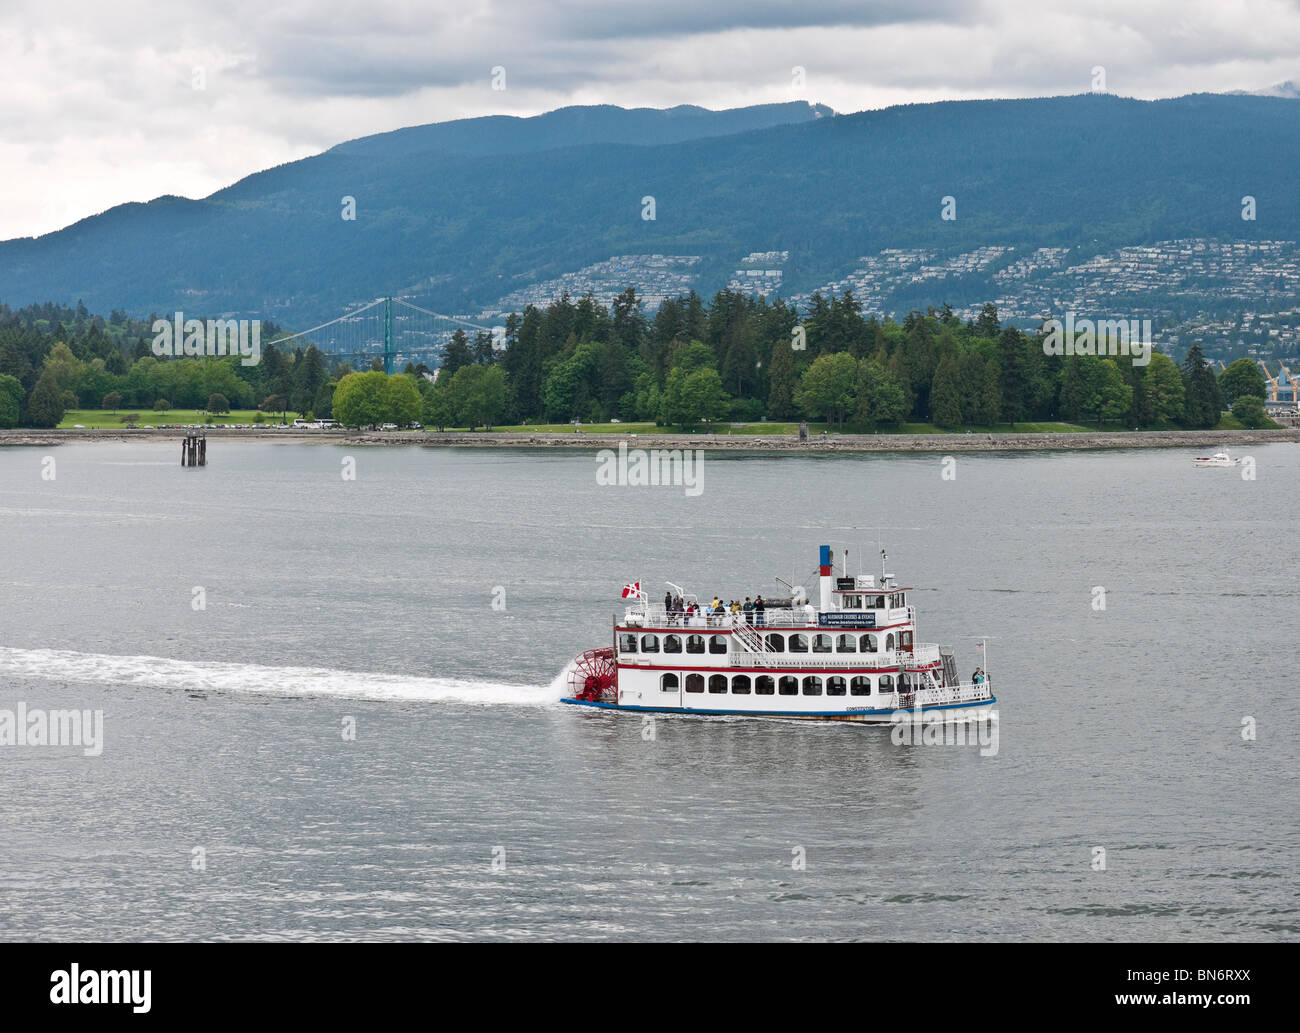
point(103, 419)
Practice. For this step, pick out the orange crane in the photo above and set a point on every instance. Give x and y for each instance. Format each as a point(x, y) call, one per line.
point(1272, 380)
point(1287, 375)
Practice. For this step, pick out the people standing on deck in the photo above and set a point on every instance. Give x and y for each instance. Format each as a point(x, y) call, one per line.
point(760, 611)
point(748, 609)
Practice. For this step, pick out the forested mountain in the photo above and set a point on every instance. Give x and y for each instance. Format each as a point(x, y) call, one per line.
point(477, 216)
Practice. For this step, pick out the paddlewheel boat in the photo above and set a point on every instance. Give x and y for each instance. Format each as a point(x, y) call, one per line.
point(852, 658)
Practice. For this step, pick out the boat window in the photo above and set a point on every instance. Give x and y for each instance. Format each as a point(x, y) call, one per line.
point(649, 643)
point(889, 642)
point(717, 643)
point(798, 643)
point(835, 686)
point(867, 643)
point(695, 643)
point(853, 602)
point(672, 643)
point(695, 683)
point(812, 686)
point(740, 685)
point(717, 683)
point(668, 683)
point(886, 683)
point(860, 686)
point(846, 644)
point(776, 643)
point(627, 643)
point(880, 602)
point(821, 644)
point(764, 685)
point(789, 685)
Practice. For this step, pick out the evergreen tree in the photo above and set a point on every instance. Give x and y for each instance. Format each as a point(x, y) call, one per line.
point(1201, 402)
point(990, 394)
point(945, 396)
point(988, 325)
point(456, 354)
point(781, 381)
point(1013, 380)
point(46, 406)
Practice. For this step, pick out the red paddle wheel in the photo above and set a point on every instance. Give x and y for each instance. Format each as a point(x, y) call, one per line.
point(593, 676)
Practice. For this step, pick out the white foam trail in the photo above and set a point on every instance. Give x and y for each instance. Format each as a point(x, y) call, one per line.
point(253, 679)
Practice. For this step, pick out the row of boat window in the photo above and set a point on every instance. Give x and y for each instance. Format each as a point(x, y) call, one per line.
point(872, 602)
point(787, 685)
point(796, 643)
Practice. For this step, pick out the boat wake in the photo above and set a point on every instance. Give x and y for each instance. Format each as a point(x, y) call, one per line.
point(252, 679)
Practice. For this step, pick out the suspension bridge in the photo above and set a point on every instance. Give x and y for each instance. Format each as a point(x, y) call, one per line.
point(392, 329)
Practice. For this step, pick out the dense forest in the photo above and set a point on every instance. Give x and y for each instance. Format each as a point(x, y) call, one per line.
point(737, 358)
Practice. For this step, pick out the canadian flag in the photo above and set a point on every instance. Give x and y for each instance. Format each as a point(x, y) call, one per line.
point(632, 591)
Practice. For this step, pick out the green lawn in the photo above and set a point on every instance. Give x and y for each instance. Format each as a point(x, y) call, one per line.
point(103, 419)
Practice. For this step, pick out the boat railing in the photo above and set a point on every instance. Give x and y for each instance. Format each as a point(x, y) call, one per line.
point(778, 618)
point(967, 692)
point(659, 617)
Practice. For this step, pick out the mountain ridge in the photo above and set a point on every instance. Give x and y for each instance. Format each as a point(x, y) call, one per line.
point(1088, 167)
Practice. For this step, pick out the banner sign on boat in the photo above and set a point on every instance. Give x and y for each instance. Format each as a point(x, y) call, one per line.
point(846, 620)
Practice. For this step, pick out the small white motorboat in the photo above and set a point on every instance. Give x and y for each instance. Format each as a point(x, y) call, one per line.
point(1218, 459)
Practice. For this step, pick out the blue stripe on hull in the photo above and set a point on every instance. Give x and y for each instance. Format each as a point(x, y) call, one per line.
point(821, 714)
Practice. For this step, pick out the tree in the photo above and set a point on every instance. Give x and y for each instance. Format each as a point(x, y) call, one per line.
point(323, 405)
point(359, 399)
point(1071, 393)
point(1248, 410)
point(438, 410)
point(275, 403)
point(1014, 383)
point(880, 398)
point(218, 404)
point(455, 354)
point(308, 377)
point(988, 405)
point(11, 400)
point(829, 386)
point(1201, 403)
point(402, 402)
point(478, 395)
point(1105, 395)
point(945, 395)
point(45, 408)
point(112, 401)
point(161, 405)
point(988, 324)
point(691, 397)
point(781, 381)
point(1163, 386)
point(1242, 377)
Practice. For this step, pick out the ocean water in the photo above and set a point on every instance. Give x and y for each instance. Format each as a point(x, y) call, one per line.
point(329, 705)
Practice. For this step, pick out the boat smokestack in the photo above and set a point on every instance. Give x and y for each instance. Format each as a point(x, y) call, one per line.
point(826, 577)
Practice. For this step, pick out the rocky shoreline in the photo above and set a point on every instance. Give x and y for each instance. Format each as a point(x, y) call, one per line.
point(722, 442)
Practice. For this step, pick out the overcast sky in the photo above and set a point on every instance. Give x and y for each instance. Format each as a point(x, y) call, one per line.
point(99, 105)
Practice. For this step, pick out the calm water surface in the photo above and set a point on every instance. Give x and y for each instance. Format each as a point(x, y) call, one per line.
point(372, 601)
